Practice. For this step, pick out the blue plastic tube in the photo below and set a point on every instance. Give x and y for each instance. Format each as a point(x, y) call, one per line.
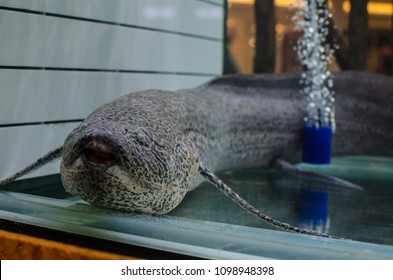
point(317, 144)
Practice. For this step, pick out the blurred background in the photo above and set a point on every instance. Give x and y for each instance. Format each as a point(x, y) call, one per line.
point(261, 35)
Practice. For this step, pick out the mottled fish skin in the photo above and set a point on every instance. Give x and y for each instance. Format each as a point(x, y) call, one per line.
point(153, 141)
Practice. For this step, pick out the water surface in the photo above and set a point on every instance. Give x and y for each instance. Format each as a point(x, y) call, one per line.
point(208, 224)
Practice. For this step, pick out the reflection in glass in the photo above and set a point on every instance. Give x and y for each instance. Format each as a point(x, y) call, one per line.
point(314, 209)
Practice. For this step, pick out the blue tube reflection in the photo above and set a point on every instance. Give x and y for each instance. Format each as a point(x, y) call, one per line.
point(313, 209)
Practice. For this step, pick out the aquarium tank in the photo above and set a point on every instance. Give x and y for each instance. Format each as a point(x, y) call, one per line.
point(60, 60)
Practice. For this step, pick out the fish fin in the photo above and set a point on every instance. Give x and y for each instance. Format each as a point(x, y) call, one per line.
point(219, 184)
point(292, 169)
point(52, 155)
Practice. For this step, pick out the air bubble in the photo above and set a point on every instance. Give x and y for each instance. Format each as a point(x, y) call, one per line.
point(315, 54)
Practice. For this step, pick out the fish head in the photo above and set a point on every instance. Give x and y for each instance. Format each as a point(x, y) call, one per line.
point(126, 166)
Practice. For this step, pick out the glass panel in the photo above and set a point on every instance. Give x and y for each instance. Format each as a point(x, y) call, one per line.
point(209, 225)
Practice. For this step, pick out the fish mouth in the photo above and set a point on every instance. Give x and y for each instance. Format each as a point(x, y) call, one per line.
point(98, 155)
point(97, 151)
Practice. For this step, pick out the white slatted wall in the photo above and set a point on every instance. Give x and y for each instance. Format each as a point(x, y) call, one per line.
point(61, 59)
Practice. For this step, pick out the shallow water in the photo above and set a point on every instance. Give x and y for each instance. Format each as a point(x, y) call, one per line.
point(365, 215)
point(208, 224)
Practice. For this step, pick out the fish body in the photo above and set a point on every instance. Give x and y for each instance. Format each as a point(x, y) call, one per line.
point(143, 151)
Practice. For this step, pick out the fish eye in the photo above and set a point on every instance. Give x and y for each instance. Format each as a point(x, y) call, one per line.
point(142, 138)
